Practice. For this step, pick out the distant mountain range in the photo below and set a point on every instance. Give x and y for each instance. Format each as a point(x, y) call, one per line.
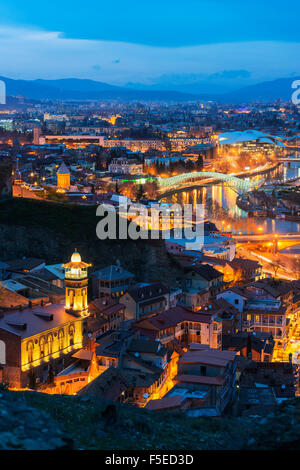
point(79, 89)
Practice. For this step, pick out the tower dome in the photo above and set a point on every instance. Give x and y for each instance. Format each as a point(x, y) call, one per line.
point(75, 258)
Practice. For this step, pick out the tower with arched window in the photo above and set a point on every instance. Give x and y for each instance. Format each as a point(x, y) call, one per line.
point(76, 283)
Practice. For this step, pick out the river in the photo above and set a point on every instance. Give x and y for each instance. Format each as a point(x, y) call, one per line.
point(219, 202)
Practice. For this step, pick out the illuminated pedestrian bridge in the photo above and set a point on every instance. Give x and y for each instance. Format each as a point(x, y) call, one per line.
point(189, 180)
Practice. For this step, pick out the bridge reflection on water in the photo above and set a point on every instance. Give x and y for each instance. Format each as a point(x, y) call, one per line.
point(219, 202)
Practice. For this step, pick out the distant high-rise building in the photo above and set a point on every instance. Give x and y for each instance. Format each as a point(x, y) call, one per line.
point(37, 132)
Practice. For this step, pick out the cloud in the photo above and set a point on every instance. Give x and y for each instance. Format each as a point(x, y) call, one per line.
point(231, 74)
point(31, 53)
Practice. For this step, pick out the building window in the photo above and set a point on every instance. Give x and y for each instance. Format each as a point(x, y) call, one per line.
point(71, 335)
point(50, 344)
point(61, 339)
point(30, 351)
point(42, 347)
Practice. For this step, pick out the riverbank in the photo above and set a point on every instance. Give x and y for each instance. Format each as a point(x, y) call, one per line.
point(258, 172)
point(254, 210)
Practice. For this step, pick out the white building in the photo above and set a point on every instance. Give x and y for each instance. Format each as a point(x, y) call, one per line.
point(215, 245)
point(125, 167)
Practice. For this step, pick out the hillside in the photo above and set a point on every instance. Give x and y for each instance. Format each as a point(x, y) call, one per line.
point(76, 89)
point(83, 89)
point(31, 420)
point(51, 231)
point(264, 91)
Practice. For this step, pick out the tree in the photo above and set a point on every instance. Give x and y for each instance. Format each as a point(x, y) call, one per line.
point(129, 190)
point(151, 189)
point(275, 268)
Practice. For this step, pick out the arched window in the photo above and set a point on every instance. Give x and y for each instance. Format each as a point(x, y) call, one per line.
point(71, 335)
point(42, 346)
point(71, 298)
point(61, 339)
point(50, 344)
point(2, 352)
point(29, 348)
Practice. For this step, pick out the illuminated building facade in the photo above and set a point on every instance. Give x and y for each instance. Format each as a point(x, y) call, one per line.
point(37, 340)
point(63, 178)
point(43, 339)
point(135, 145)
point(71, 141)
point(125, 167)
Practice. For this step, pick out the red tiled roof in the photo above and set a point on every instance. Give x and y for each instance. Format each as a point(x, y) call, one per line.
point(99, 306)
point(199, 379)
point(165, 403)
point(209, 356)
point(84, 354)
point(172, 317)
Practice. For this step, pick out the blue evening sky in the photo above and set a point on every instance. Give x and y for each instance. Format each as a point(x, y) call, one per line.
point(149, 31)
point(160, 22)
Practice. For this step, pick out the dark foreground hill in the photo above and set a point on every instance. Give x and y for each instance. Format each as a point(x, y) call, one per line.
point(52, 231)
point(31, 420)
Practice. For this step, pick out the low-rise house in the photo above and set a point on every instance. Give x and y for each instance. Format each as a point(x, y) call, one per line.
point(53, 273)
point(201, 278)
point(81, 371)
point(23, 266)
point(145, 299)
point(245, 270)
point(238, 270)
point(105, 315)
point(211, 244)
point(125, 166)
point(264, 306)
point(181, 325)
point(204, 368)
point(29, 290)
point(111, 345)
point(256, 346)
point(204, 385)
point(171, 403)
point(225, 313)
point(112, 281)
point(144, 372)
point(122, 385)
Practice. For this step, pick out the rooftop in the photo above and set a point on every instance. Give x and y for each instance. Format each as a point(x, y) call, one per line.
point(112, 273)
point(32, 321)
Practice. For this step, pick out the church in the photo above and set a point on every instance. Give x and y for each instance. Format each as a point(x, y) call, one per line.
point(63, 178)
